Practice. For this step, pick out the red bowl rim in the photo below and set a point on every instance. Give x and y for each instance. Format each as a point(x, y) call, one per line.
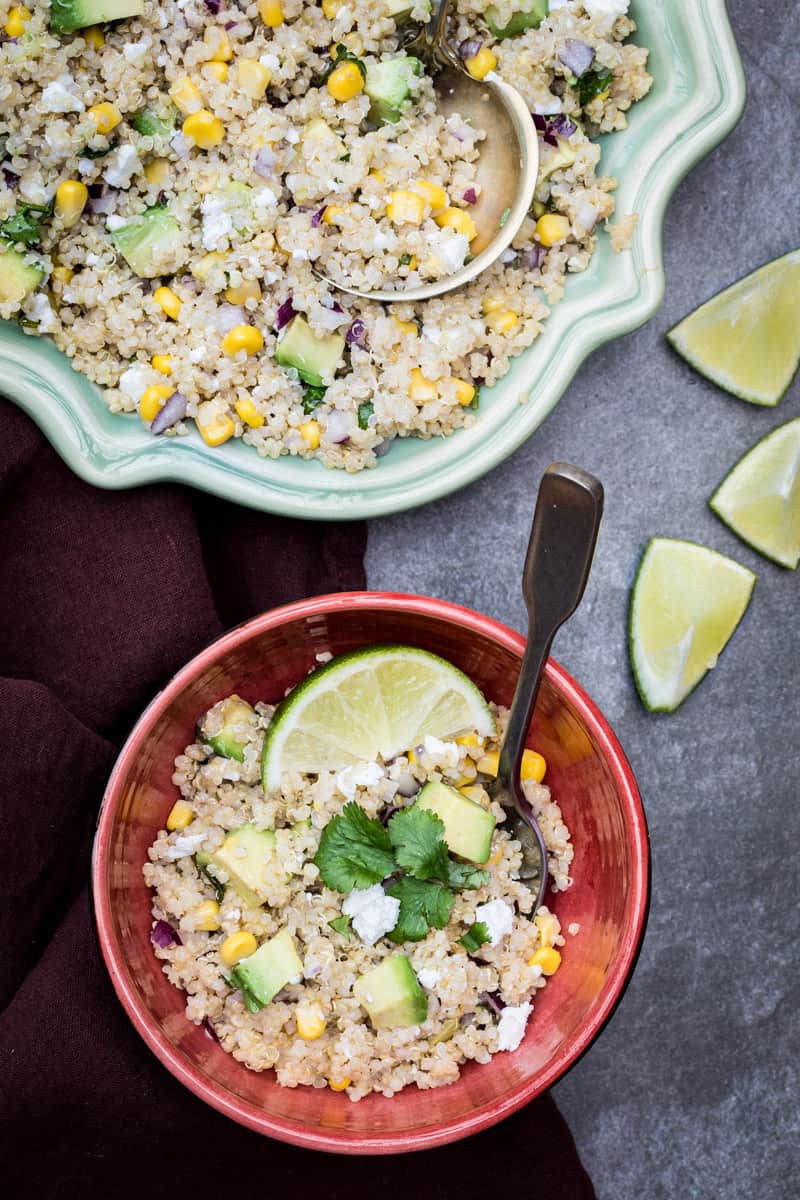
point(489, 1114)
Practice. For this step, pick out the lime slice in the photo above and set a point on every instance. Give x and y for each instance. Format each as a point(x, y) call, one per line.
point(760, 498)
point(747, 338)
point(687, 600)
point(378, 701)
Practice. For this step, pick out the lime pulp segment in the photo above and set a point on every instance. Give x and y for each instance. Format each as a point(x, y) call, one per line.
point(746, 339)
point(687, 601)
point(760, 498)
point(374, 702)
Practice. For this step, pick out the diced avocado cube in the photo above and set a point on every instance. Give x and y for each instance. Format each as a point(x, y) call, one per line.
point(68, 15)
point(468, 827)
point(152, 244)
point(530, 15)
point(238, 719)
point(311, 356)
point(263, 974)
point(245, 871)
point(391, 994)
point(564, 156)
point(19, 275)
point(388, 85)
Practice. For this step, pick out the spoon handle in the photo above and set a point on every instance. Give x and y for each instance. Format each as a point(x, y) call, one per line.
point(563, 537)
point(437, 24)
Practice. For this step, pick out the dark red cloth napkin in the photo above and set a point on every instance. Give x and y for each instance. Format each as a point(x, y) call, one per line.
point(103, 595)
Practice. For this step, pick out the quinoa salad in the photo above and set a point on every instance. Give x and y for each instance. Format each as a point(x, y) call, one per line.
point(176, 175)
point(361, 929)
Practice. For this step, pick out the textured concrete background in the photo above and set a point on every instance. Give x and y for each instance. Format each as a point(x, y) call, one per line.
point(692, 1090)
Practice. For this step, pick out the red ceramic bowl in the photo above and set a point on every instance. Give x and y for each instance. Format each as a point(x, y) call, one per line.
point(589, 776)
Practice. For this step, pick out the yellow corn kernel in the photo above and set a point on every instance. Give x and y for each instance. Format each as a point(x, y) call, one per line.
point(407, 327)
point(271, 13)
point(252, 77)
point(552, 228)
point(218, 43)
point(488, 763)
point(214, 424)
point(421, 389)
point(533, 766)
point(169, 302)
point(71, 197)
point(345, 81)
point(502, 320)
point(331, 8)
point(310, 433)
point(203, 267)
point(180, 815)
point(63, 275)
point(249, 290)
point(435, 195)
point(106, 116)
point(548, 958)
point(491, 304)
point(154, 398)
point(16, 20)
point(481, 63)
point(186, 95)
point(248, 413)
point(242, 337)
point(469, 739)
point(406, 207)
point(465, 392)
point(412, 758)
point(477, 794)
point(215, 70)
point(236, 947)
point(547, 925)
point(93, 36)
point(204, 129)
point(156, 171)
point(378, 176)
point(456, 218)
point(310, 1021)
point(496, 857)
point(339, 1085)
point(162, 363)
point(334, 213)
point(206, 916)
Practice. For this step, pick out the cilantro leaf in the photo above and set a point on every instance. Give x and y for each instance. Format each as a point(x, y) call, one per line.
point(24, 227)
point(475, 937)
point(422, 905)
point(313, 397)
point(418, 839)
point(345, 55)
point(365, 411)
point(201, 862)
point(342, 926)
point(405, 260)
point(464, 875)
point(354, 851)
point(593, 84)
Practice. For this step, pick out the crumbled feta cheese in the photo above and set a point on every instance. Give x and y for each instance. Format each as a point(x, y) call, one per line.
point(498, 917)
point(39, 309)
point(360, 775)
point(271, 62)
point(136, 52)
point(445, 753)
point(185, 845)
point(91, 259)
point(372, 913)
point(291, 135)
point(114, 221)
point(120, 165)
point(217, 221)
point(299, 252)
point(263, 200)
point(60, 96)
point(452, 250)
point(511, 1026)
point(606, 8)
point(133, 381)
point(547, 108)
point(197, 354)
point(428, 977)
point(573, 928)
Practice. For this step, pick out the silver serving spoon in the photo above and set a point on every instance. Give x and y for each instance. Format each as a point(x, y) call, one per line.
point(563, 537)
point(506, 170)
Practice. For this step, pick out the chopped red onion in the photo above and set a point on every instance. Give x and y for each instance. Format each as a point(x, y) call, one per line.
point(470, 196)
point(11, 178)
point(228, 316)
point(162, 935)
point(563, 126)
point(331, 317)
point(102, 198)
point(213, 6)
point(356, 335)
point(264, 162)
point(173, 411)
point(543, 128)
point(470, 47)
point(284, 315)
point(317, 217)
point(407, 785)
point(383, 448)
point(229, 25)
point(576, 56)
point(337, 426)
point(493, 1000)
point(209, 1028)
point(532, 257)
point(389, 812)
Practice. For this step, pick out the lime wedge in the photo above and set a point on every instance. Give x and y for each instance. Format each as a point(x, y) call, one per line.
point(747, 338)
point(378, 701)
point(760, 498)
point(687, 600)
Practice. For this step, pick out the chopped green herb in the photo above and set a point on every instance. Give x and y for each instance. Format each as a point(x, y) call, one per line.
point(88, 152)
point(476, 399)
point(365, 411)
point(345, 55)
point(405, 260)
point(24, 227)
point(422, 904)
point(505, 214)
point(354, 851)
point(464, 875)
point(593, 84)
point(342, 926)
point(418, 839)
point(201, 861)
point(313, 397)
point(476, 936)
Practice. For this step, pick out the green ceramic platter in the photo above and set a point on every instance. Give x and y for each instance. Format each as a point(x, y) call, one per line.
point(697, 97)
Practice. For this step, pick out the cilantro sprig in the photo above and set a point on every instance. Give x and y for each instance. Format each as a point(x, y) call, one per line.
point(593, 84)
point(476, 936)
point(24, 228)
point(423, 903)
point(354, 851)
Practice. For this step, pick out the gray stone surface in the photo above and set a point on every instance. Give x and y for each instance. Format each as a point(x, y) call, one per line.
point(692, 1089)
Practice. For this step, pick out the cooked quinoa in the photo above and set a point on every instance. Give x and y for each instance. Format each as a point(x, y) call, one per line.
point(315, 1031)
point(224, 172)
